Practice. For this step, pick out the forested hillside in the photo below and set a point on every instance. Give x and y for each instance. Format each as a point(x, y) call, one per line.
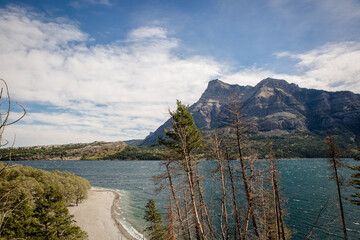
point(82, 151)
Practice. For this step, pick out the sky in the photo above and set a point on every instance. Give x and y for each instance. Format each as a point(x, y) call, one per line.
point(109, 70)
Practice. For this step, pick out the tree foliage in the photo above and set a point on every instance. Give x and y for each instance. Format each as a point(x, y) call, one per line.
point(33, 203)
point(183, 140)
point(155, 230)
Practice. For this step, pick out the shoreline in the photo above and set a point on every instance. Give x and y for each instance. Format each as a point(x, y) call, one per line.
point(114, 208)
point(97, 215)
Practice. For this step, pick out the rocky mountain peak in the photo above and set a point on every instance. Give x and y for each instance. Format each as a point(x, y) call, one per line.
point(276, 83)
point(217, 83)
point(276, 106)
point(216, 90)
point(220, 92)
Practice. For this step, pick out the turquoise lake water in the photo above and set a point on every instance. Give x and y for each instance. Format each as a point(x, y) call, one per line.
point(305, 183)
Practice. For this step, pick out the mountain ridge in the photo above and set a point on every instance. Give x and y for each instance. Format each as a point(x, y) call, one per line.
point(277, 108)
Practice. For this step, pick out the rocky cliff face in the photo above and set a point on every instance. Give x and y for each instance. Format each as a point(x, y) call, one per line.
point(276, 107)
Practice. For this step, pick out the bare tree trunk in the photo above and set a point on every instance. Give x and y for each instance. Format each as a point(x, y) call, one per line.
point(317, 219)
point(279, 222)
point(265, 214)
point(176, 203)
point(241, 128)
point(251, 180)
point(203, 205)
point(224, 200)
point(340, 201)
point(221, 223)
point(171, 235)
point(246, 183)
point(186, 215)
point(275, 200)
point(223, 187)
point(247, 219)
point(237, 213)
point(189, 173)
point(334, 161)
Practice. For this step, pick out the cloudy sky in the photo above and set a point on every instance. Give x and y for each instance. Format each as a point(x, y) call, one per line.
point(108, 70)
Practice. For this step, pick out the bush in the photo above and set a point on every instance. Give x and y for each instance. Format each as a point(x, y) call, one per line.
point(33, 203)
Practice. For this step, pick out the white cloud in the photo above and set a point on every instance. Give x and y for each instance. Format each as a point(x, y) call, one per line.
point(123, 90)
point(115, 89)
point(148, 32)
point(332, 67)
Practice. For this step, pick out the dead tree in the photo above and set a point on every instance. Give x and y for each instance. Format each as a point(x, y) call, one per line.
point(237, 233)
point(220, 169)
point(171, 235)
point(167, 180)
point(278, 213)
point(203, 207)
point(5, 103)
point(335, 163)
point(235, 119)
point(171, 184)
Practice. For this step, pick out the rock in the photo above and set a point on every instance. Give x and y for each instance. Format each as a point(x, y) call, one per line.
point(275, 106)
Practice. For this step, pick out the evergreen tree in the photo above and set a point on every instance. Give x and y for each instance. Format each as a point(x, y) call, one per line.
point(184, 139)
point(18, 222)
point(53, 218)
point(155, 230)
point(33, 204)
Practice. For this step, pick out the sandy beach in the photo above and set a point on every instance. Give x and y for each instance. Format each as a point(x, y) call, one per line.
point(95, 216)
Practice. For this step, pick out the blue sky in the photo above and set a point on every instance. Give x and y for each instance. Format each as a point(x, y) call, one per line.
point(90, 70)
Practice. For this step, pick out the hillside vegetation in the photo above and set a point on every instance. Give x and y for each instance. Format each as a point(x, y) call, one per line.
point(33, 203)
point(297, 145)
point(82, 151)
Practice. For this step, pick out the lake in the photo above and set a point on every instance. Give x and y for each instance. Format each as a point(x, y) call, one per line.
point(305, 184)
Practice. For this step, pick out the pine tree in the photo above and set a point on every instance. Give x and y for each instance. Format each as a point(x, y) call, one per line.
point(18, 222)
point(184, 139)
point(155, 230)
point(53, 218)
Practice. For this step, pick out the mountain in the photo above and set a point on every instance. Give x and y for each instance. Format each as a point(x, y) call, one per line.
point(277, 108)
